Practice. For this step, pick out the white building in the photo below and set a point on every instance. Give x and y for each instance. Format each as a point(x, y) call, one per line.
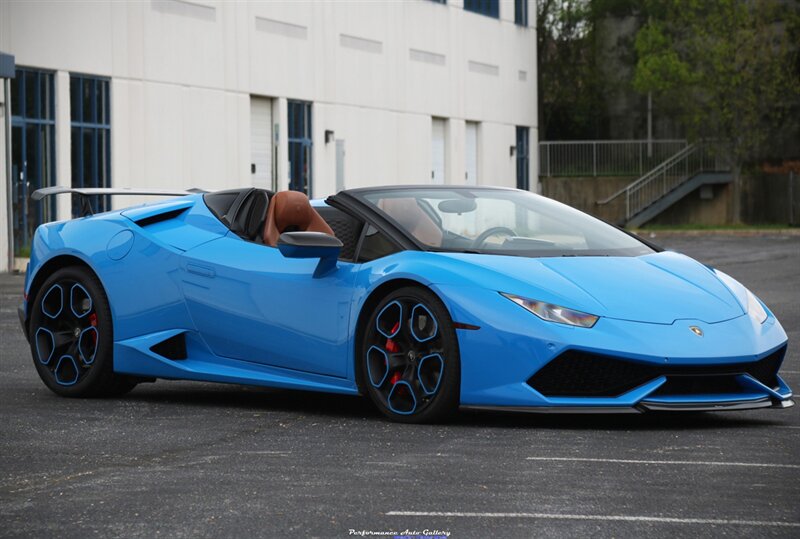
point(311, 95)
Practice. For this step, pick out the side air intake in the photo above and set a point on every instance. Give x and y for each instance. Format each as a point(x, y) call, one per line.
point(173, 348)
point(160, 217)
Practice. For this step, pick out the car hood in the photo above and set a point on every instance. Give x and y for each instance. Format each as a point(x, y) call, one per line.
point(657, 288)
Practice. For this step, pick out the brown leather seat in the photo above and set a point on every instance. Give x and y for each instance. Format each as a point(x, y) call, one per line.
point(407, 212)
point(291, 210)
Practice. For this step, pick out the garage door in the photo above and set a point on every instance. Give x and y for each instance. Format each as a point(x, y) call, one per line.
point(261, 142)
point(437, 151)
point(471, 153)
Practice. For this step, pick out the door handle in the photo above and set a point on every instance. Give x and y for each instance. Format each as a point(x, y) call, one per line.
point(203, 271)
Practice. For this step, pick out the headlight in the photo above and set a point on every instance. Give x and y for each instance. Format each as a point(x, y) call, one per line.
point(754, 308)
point(554, 313)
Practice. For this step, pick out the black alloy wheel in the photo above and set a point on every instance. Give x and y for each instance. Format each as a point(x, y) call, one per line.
point(71, 336)
point(410, 364)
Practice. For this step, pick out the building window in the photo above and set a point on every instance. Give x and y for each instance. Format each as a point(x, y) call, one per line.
point(91, 138)
point(300, 147)
point(471, 153)
point(523, 158)
point(521, 12)
point(33, 153)
point(490, 8)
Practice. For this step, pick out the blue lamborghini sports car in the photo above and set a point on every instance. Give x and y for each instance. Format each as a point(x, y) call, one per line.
point(425, 299)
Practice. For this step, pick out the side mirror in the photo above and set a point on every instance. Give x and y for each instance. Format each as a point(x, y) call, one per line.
point(311, 245)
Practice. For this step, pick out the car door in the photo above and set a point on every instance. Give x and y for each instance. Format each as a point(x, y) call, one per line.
point(252, 304)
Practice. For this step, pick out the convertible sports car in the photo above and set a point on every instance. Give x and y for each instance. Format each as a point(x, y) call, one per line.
point(424, 298)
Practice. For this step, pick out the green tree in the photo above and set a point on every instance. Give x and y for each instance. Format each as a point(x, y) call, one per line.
point(727, 69)
point(569, 97)
point(577, 69)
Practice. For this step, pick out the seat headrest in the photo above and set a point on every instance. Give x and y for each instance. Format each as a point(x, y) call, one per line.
point(292, 209)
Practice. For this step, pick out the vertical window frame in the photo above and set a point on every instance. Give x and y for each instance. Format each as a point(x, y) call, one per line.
point(45, 127)
point(521, 13)
point(523, 148)
point(94, 123)
point(301, 146)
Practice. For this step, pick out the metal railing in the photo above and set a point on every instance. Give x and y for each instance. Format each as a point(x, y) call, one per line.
point(604, 157)
point(665, 177)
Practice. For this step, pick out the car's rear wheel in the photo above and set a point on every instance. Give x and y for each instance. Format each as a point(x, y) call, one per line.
point(71, 334)
point(409, 357)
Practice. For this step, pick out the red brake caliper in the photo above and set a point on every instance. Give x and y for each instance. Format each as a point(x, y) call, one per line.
point(392, 347)
point(93, 322)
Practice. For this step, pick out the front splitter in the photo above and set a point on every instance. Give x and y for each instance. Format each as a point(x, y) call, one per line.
point(642, 407)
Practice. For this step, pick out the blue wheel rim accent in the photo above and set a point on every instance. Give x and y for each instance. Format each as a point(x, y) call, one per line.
point(438, 379)
point(404, 352)
point(410, 391)
point(369, 368)
point(399, 319)
point(61, 304)
point(430, 315)
point(74, 366)
point(80, 345)
point(72, 303)
point(52, 346)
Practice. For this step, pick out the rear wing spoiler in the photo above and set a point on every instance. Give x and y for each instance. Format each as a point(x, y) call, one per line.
point(86, 192)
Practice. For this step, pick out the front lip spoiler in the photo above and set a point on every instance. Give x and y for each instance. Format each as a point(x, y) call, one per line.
point(642, 407)
point(766, 402)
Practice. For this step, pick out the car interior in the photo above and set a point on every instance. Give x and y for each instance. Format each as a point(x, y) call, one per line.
point(261, 216)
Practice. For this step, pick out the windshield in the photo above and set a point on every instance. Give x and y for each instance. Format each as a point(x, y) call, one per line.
point(499, 221)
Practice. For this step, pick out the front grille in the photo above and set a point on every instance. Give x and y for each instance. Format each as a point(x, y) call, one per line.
point(698, 384)
point(582, 374)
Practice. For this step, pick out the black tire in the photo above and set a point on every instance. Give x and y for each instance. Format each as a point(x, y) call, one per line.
point(72, 339)
point(411, 369)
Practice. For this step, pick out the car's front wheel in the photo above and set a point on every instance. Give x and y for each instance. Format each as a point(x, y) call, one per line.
point(409, 357)
point(71, 336)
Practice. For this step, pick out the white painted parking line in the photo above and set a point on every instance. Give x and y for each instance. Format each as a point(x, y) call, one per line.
point(619, 518)
point(788, 372)
point(674, 462)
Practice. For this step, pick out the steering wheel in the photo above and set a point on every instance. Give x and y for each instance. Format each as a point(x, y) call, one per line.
point(488, 233)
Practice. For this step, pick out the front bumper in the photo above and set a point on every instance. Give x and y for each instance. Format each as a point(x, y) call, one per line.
point(511, 346)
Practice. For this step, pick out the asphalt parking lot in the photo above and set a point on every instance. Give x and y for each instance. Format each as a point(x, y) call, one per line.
point(179, 459)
